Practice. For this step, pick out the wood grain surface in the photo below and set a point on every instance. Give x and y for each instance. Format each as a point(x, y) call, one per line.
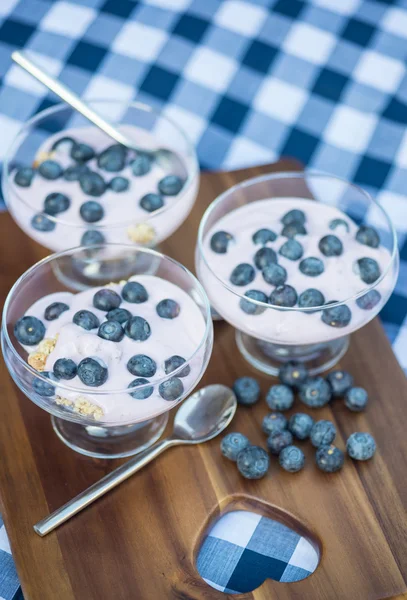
point(140, 541)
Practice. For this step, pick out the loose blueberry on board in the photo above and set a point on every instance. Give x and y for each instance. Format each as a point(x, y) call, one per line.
point(329, 459)
point(142, 366)
point(220, 242)
point(65, 368)
point(368, 269)
point(92, 184)
point(142, 394)
point(356, 399)
point(121, 315)
point(92, 238)
point(106, 299)
point(369, 300)
point(168, 309)
point(283, 295)
point(335, 223)
point(50, 169)
point(111, 331)
point(340, 382)
point(86, 319)
point(315, 392)
point(311, 297)
point(151, 202)
point(41, 223)
point(134, 292)
point(322, 433)
point(291, 459)
point(43, 388)
point(141, 165)
point(293, 374)
point(337, 316)
point(251, 308)
point(137, 329)
point(119, 184)
point(55, 310)
point(82, 152)
point(274, 422)
point(311, 266)
point(112, 159)
point(74, 172)
point(247, 390)
point(264, 256)
point(280, 397)
point(253, 462)
point(56, 203)
point(293, 229)
point(360, 446)
point(29, 331)
point(262, 236)
point(293, 216)
point(92, 372)
point(330, 245)
point(63, 141)
point(278, 440)
point(173, 363)
point(24, 176)
point(170, 185)
point(243, 274)
point(292, 250)
point(232, 444)
point(368, 236)
point(172, 389)
point(274, 274)
point(91, 211)
point(300, 425)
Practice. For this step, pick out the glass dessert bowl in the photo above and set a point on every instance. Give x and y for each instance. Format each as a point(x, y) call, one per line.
point(66, 183)
point(296, 262)
point(108, 362)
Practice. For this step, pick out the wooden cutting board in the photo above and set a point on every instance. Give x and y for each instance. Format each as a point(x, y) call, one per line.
point(140, 541)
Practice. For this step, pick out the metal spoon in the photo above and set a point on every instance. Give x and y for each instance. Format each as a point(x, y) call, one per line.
point(167, 159)
point(199, 419)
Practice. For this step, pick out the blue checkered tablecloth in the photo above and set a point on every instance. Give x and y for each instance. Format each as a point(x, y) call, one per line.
point(322, 80)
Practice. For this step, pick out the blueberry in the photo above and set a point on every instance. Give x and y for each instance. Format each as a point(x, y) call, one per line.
point(293, 216)
point(368, 236)
point(247, 390)
point(168, 309)
point(292, 250)
point(293, 229)
point(119, 184)
point(65, 368)
point(43, 388)
point(29, 331)
point(280, 397)
point(311, 297)
point(274, 274)
point(368, 270)
point(253, 462)
point(92, 238)
point(356, 399)
point(311, 266)
point(121, 315)
point(232, 444)
point(137, 329)
point(293, 374)
point(41, 223)
point(274, 422)
point(113, 159)
point(330, 245)
point(141, 165)
point(262, 236)
point(82, 152)
point(50, 169)
point(291, 459)
point(111, 331)
point(56, 203)
point(283, 295)
point(335, 223)
point(369, 300)
point(140, 394)
point(24, 176)
point(106, 300)
point(170, 185)
point(55, 310)
point(92, 372)
point(63, 141)
point(74, 172)
point(172, 389)
point(340, 382)
point(322, 433)
point(142, 366)
point(220, 241)
point(251, 308)
point(329, 459)
point(278, 440)
point(361, 446)
point(151, 202)
point(91, 211)
point(173, 363)
point(134, 292)
point(300, 425)
point(315, 392)
point(92, 184)
point(243, 274)
point(264, 257)
point(86, 319)
point(338, 316)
